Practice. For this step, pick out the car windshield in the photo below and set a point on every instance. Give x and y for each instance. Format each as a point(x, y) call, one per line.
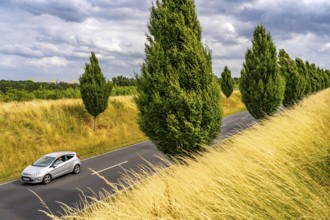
point(43, 161)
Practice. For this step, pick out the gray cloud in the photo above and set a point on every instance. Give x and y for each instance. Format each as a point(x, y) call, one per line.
point(79, 10)
point(20, 50)
point(73, 10)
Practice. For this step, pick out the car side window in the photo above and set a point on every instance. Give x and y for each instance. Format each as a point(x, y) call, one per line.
point(59, 160)
point(69, 156)
point(62, 158)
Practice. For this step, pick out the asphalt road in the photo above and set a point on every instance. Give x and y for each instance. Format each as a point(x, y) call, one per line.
point(17, 202)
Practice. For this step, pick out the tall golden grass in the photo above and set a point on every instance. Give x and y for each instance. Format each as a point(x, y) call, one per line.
point(277, 169)
point(31, 129)
point(233, 104)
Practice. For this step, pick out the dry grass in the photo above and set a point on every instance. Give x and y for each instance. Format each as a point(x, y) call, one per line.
point(278, 169)
point(31, 129)
point(233, 104)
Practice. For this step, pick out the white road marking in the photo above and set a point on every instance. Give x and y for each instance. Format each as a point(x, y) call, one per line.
point(245, 117)
point(108, 168)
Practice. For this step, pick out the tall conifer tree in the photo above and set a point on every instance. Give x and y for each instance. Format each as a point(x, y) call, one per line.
point(295, 84)
point(179, 97)
point(322, 77)
point(94, 89)
point(303, 71)
point(315, 81)
point(227, 82)
point(327, 75)
point(262, 87)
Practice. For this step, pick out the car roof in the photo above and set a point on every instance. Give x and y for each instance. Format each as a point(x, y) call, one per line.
point(60, 153)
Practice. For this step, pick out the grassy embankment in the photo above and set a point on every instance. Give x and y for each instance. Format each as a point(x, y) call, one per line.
point(31, 129)
point(278, 169)
point(233, 104)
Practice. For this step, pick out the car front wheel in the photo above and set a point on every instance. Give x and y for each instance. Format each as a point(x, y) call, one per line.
point(47, 178)
point(76, 169)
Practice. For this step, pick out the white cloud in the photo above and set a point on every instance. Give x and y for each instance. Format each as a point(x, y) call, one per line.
point(48, 62)
point(220, 33)
point(8, 61)
point(326, 46)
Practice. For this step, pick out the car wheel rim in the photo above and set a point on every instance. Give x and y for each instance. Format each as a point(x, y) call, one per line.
point(47, 179)
point(76, 169)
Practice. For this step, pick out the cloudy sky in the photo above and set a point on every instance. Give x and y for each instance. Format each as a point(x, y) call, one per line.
point(46, 40)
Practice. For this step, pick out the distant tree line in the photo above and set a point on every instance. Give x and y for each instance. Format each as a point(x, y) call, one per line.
point(123, 81)
point(30, 86)
point(123, 86)
point(28, 90)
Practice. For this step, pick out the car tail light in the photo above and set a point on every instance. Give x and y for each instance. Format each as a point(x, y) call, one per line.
point(78, 156)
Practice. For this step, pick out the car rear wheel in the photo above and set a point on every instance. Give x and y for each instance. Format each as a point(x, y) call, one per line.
point(76, 169)
point(47, 178)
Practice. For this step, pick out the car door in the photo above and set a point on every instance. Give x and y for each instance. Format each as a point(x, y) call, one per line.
point(59, 168)
point(67, 166)
point(70, 162)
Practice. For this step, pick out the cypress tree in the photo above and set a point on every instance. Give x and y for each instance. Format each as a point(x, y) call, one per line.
point(295, 84)
point(310, 76)
point(227, 82)
point(179, 97)
point(94, 89)
point(313, 77)
point(326, 78)
point(322, 78)
point(303, 71)
point(262, 87)
point(327, 74)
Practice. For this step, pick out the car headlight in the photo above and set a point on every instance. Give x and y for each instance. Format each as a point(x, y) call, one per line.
point(38, 173)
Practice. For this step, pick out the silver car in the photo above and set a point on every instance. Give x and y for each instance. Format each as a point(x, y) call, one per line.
point(51, 166)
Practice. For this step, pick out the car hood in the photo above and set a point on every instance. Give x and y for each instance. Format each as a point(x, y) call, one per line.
point(33, 169)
